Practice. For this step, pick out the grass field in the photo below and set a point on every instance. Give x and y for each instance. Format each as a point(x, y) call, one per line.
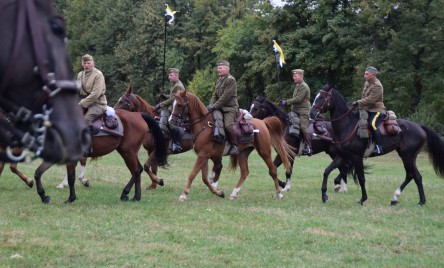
point(256, 230)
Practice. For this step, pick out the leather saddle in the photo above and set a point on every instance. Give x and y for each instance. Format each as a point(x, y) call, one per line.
point(243, 127)
point(319, 129)
point(108, 125)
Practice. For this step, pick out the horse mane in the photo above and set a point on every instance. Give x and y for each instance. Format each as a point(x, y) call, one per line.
point(273, 109)
point(143, 105)
point(195, 101)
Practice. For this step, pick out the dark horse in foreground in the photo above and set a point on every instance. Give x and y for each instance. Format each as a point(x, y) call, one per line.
point(188, 106)
point(135, 128)
point(134, 103)
point(349, 147)
point(37, 91)
point(262, 108)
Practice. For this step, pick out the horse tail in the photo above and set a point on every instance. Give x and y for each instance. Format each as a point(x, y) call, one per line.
point(436, 151)
point(283, 149)
point(161, 149)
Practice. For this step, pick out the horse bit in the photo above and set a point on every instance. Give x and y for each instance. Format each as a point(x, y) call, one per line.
point(34, 138)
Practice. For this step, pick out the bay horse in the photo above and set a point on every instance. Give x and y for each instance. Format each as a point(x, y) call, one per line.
point(189, 110)
point(136, 126)
point(408, 144)
point(37, 89)
point(135, 103)
point(262, 108)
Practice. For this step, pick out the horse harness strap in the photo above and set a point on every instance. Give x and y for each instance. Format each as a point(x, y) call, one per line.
point(27, 16)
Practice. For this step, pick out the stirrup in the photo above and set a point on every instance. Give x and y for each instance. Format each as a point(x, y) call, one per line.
point(307, 150)
point(233, 150)
point(176, 148)
point(377, 150)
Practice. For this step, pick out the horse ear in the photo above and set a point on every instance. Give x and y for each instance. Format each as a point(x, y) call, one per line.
point(129, 90)
point(183, 93)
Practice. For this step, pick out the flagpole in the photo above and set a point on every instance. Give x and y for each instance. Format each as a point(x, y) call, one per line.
point(164, 53)
point(277, 73)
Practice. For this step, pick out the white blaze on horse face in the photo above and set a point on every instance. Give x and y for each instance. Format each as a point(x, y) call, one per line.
point(251, 107)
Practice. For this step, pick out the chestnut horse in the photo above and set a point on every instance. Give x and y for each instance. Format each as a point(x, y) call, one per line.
point(136, 126)
point(189, 110)
point(349, 147)
point(37, 89)
point(135, 103)
point(16, 151)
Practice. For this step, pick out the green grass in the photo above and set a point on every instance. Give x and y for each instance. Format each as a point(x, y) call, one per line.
point(256, 230)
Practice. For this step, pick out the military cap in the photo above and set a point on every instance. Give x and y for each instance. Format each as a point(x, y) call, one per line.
point(297, 71)
point(173, 70)
point(87, 57)
point(223, 63)
point(372, 70)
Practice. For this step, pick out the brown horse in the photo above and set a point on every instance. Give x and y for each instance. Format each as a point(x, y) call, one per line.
point(36, 85)
point(268, 133)
point(136, 126)
point(16, 151)
point(135, 103)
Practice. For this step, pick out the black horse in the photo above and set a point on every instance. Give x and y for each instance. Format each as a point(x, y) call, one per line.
point(408, 144)
point(37, 93)
point(262, 108)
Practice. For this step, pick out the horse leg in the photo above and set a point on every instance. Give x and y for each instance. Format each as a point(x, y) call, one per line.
point(277, 162)
point(204, 171)
point(136, 169)
point(23, 177)
point(412, 172)
point(71, 174)
point(44, 166)
point(215, 172)
point(333, 165)
point(82, 171)
point(197, 167)
point(359, 168)
point(151, 168)
point(340, 182)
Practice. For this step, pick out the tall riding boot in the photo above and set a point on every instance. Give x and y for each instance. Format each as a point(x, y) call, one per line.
point(90, 149)
point(378, 143)
point(307, 139)
point(175, 135)
point(233, 140)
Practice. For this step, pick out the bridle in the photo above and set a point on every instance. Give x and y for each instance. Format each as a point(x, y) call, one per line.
point(324, 106)
point(20, 117)
point(183, 113)
point(127, 103)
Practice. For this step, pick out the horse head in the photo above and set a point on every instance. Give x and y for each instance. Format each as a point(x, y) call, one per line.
point(262, 108)
point(322, 102)
point(134, 103)
point(37, 91)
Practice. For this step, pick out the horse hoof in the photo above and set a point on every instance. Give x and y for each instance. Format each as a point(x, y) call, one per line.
point(394, 202)
point(46, 200)
point(182, 198)
point(62, 185)
point(161, 183)
point(221, 194)
point(136, 199)
point(360, 203)
point(70, 201)
point(31, 184)
point(286, 189)
point(280, 196)
point(233, 197)
point(85, 183)
point(152, 186)
point(124, 198)
point(420, 204)
point(325, 199)
point(337, 188)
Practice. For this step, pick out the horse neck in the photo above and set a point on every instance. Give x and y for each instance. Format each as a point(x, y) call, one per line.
point(275, 111)
point(197, 112)
point(343, 121)
point(143, 106)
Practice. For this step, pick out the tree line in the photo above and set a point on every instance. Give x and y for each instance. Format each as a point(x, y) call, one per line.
point(332, 40)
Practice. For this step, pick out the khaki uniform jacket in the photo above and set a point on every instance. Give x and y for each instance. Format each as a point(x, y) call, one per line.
point(372, 99)
point(225, 96)
point(300, 102)
point(92, 89)
point(168, 102)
